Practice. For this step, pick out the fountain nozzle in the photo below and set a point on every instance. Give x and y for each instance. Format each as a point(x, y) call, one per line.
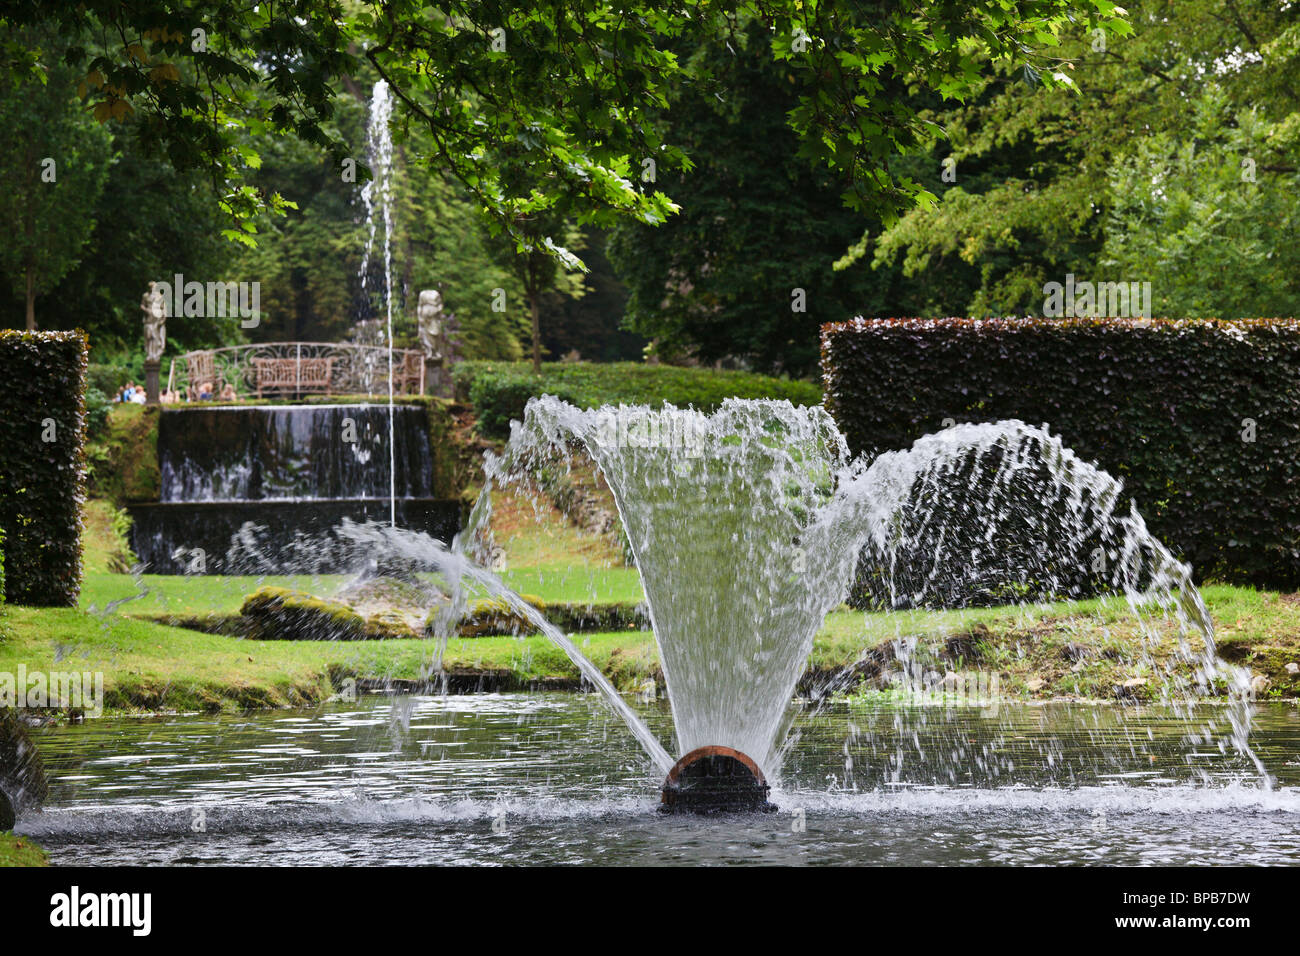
point(716, 780)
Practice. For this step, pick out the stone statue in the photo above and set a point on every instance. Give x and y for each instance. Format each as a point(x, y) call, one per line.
point(154, 307)
point(429, 319)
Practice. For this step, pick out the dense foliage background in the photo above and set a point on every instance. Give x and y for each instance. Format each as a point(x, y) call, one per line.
point(764, 188)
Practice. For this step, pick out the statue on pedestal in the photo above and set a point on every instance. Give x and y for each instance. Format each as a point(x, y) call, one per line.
point(429, 318)
point(154, 306)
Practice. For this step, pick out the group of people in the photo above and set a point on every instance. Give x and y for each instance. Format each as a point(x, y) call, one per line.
point(131, 392)
point(207, 393)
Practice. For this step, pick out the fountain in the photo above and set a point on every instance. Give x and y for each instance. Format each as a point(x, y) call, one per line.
point(746, 526)
point(262, 488)
point(378, 194)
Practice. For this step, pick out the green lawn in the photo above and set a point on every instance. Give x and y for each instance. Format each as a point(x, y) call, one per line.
point(20, 851)
point(151, 666)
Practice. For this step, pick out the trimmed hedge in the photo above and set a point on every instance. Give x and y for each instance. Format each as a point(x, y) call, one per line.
point(1166, 406)
point(500, 390)
point(42, 481)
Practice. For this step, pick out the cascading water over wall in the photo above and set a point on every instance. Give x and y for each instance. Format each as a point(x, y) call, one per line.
point(252, 489)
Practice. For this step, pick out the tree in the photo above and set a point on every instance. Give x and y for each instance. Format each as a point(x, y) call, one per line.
point(1049, 183)
point(570, 83)
point(1195, 216)
point(589, 325)
point(150, 223)
point(540, 265)
point(54, 160)
point(439, 241)
point(307, 259)
point(744, 273)
point(446, 245)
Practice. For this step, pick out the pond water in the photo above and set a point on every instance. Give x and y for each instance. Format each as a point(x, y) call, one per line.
point(556, 778)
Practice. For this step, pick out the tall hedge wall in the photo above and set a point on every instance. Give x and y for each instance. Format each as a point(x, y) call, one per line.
point(1200, 419)
point(42, 464)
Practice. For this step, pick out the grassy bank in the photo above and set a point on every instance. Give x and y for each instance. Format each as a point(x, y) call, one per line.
point(1036, 652)
point(20, 851)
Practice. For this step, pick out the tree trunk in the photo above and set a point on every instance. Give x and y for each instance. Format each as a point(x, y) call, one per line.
point(31, 298)
point(537, 332)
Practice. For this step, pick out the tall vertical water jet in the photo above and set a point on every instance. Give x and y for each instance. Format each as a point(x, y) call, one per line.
point(377, 195)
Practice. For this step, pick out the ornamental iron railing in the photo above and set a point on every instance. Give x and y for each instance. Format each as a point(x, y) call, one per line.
point(294, 369)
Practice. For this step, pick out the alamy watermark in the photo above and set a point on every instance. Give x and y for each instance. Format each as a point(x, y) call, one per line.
point(133, 911)
point(213, 300)
point(955, 688)
point(669, 429)
point(1113, 300)
point(34, 690)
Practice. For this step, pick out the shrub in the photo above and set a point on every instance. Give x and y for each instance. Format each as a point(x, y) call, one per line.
point(42, 464)
point(108, 379)
point(500, 390)
point(124, 462)
point(500, 398)
point(1199, 419)
point(98, 406)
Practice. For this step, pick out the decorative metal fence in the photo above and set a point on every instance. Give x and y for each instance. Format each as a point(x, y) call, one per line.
point(280, 369)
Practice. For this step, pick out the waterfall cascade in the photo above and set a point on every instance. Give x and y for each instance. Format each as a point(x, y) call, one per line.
point(248, 489)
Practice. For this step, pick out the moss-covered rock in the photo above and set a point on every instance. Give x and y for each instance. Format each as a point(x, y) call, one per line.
point(389, 625)
point(281, 614)
point(492, 616)
point(486, 616)
point(1269, 661)
point(607, 616)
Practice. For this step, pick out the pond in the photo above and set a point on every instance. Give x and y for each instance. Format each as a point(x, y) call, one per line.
point(556, 778)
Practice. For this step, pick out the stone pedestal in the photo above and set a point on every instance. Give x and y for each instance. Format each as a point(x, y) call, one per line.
point(151, 381)
point(437, 379)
